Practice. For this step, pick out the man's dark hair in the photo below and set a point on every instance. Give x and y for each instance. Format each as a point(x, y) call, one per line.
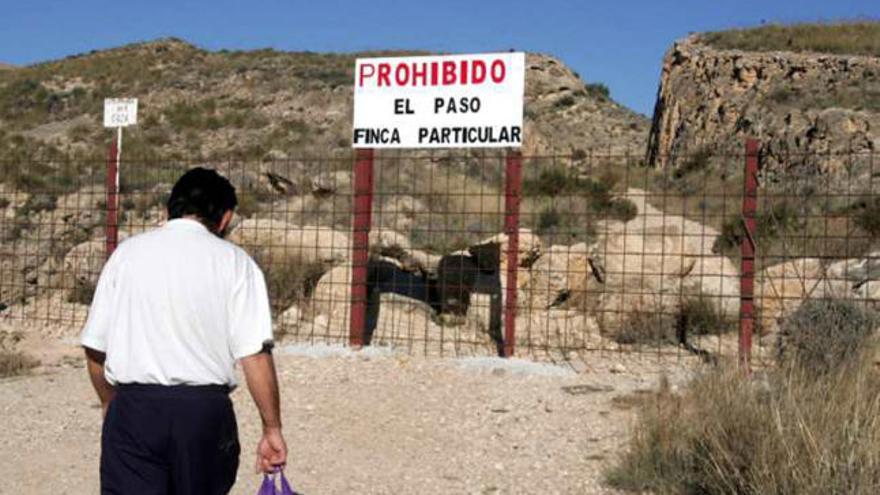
point(204, 193)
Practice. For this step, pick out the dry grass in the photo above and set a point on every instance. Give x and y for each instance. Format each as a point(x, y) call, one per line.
point(12, 361)
point(15, 363)
point(793, 431)
point(290, 283)
point(846, 38)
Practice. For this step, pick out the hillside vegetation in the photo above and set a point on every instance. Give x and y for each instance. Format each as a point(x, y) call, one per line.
point(257, 104)
point(843, 38)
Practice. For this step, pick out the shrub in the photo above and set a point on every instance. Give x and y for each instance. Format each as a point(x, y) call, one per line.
point(621, 209)
point(15, 363)
point(564, 102)
point(290, 283)
point(548, 219)
point(699, 161)
point(598, 90)
point(81, 293)
point(12, 362)
point(695, 316)
point(822, 334)
point(791, 433)
point(867, 217)
point(550, 182)
point(781, 220)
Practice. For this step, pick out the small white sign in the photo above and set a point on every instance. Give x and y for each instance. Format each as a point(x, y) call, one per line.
point(453, 101)
point(120, 112)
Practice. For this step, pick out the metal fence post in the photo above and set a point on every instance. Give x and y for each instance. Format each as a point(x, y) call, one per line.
point(748, 251)
point(360, 246)
point(112, 218)
point(512, 196)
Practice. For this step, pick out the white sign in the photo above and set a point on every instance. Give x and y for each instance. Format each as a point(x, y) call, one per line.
point(120, 112)
point(456, 101)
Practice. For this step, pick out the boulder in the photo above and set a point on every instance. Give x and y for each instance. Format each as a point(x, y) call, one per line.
point(388, 242)
point(401, 319)
point(557, 277)
point(328, 183)
point(557, 329)
point(399, 212)
point(82, 265)
point(276, 242)
point(289, 319)
point(529, 247)
point(860, 275)
point(654, 263)
point(782, 288)
point(332, 294)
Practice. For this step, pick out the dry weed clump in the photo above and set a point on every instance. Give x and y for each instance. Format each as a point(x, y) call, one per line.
point(12, 361)
point(824, 334)
point(790, 431)
point(290, 283)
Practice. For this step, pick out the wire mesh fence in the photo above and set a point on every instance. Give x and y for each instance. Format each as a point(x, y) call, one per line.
point(602, 252)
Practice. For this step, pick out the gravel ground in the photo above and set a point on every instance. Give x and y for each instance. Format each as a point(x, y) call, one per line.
point(372, 422)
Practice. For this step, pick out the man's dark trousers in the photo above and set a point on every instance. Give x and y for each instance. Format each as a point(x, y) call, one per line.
point(169, 440)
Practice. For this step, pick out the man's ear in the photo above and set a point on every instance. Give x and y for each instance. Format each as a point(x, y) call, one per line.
point(225, 220)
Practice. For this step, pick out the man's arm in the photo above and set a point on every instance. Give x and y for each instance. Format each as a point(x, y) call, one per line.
point(95, 364)
point(259, 372)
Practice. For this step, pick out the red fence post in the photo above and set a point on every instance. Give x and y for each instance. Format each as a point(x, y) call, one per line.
point(112, 219)
point(360, 246)
point(512, 195)
point(748, 251)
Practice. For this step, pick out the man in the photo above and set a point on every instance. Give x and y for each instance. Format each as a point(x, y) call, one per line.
point(173, 310)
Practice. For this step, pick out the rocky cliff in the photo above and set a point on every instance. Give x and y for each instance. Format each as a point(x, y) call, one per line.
point(798, 104)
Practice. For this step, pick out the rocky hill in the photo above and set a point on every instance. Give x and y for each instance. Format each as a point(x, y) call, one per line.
point(259, 104)
point(803, 90)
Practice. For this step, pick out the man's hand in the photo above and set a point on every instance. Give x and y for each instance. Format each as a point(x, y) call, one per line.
point(259, 371)
point(95, 364)
point(271, 451)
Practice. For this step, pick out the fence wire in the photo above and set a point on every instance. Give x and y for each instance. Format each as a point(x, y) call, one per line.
point(613, 255)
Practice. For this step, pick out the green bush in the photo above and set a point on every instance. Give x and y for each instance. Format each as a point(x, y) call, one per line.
point(779, 221)
point(564, 102)
point(548, 219)
point(598, 90)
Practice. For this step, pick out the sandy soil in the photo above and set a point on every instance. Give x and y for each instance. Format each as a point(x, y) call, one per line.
point(373, 422)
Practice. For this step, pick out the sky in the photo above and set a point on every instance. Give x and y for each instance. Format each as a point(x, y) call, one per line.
point(619, 43)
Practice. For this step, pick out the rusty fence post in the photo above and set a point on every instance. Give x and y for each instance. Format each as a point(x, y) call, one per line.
point(748, 251)
point(360, 246)
point(111, 221)
point(512, 196)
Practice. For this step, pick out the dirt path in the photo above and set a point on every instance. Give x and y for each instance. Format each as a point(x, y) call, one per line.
point(379, 423)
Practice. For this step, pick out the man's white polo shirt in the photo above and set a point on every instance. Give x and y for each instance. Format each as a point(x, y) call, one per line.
point(178, 306)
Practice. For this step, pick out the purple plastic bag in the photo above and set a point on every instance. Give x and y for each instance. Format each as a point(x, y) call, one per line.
point(269, 486)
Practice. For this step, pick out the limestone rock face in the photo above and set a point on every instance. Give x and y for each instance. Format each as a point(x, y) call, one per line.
point(797, 104)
